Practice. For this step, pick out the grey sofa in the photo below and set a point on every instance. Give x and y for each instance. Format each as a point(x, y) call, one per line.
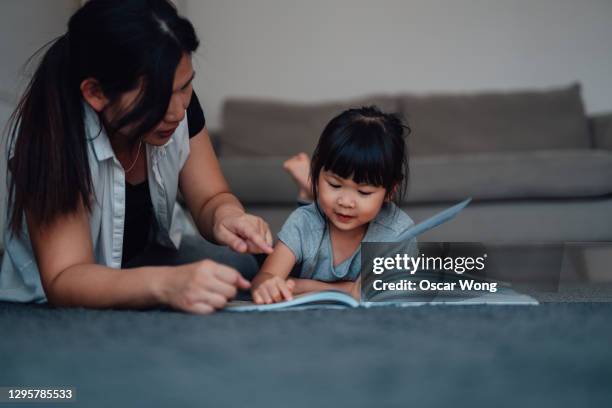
point(537, 167)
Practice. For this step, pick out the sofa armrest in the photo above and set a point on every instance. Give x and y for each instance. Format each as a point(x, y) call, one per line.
point(601, 129)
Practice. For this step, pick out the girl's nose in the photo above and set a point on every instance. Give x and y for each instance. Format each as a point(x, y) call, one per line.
point(345, 201)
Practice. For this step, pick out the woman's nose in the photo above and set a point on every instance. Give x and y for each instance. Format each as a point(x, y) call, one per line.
point(176, 110)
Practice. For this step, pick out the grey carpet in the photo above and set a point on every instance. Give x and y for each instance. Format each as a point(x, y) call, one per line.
point(552, 355)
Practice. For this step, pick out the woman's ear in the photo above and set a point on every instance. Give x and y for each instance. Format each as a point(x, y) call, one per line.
point(92, 93)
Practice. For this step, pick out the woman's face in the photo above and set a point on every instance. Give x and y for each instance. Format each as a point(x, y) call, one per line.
point(179, 100)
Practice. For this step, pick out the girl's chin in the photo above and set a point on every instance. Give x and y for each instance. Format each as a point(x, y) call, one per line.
point(346, 225)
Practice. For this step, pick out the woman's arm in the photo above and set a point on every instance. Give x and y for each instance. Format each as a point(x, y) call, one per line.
point(70, 277)
point(218, 214)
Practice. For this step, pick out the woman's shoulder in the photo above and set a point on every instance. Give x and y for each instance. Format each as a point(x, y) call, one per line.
point(195, 116)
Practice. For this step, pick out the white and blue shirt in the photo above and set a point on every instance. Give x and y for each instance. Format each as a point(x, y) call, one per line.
point(19, 276)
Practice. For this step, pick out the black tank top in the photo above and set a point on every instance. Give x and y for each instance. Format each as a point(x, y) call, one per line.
point(139, 217)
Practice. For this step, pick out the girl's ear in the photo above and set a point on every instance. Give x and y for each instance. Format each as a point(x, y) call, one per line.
point(393, 191)
point(92, 93)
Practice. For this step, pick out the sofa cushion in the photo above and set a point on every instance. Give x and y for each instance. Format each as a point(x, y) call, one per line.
point(253, 127)
point(601, 126)
point(512, 175)
point(487, 176)
point(496, 121)
point(259, 180)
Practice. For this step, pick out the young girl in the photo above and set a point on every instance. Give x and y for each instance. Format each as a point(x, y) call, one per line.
point(359, 165)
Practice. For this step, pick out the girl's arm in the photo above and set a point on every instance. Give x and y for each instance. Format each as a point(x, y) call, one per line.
point(218, 214)
point(70, 277)
point(270, 284)
point(311, 285)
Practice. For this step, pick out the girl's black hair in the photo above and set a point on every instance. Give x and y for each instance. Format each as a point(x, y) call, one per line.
point(123, 45)
point(366, 145)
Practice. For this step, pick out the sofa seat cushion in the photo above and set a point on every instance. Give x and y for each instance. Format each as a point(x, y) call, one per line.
point(487, 176)
point(496, 121)
point(255, 127)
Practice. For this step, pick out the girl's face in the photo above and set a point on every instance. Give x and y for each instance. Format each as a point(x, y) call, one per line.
point(346, 204)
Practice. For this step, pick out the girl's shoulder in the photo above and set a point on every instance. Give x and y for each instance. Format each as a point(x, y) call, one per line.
point(392, 220)
point(307, 216)
point(303, 232)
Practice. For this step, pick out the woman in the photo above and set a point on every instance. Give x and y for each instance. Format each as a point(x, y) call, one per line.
point(100, 147)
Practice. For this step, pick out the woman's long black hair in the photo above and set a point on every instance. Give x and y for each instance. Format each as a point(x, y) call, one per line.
point(123, 45)
point(366, 145)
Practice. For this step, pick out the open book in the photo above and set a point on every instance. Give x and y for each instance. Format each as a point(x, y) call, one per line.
point(503, 295)
point(333, 299)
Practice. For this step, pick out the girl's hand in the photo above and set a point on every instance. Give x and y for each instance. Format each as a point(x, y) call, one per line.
point(201, 287)
point(244, 233)
point(300, 286)
point(272, 290)
point(355, 289)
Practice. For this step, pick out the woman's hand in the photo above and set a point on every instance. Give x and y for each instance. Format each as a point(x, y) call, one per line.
point(272, 290)
point(201, 287)
point(244, 233)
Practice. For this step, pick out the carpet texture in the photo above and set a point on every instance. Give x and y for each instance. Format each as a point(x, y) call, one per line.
point(552, 355)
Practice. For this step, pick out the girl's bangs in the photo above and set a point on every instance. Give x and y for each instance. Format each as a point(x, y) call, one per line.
point(361, 160)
